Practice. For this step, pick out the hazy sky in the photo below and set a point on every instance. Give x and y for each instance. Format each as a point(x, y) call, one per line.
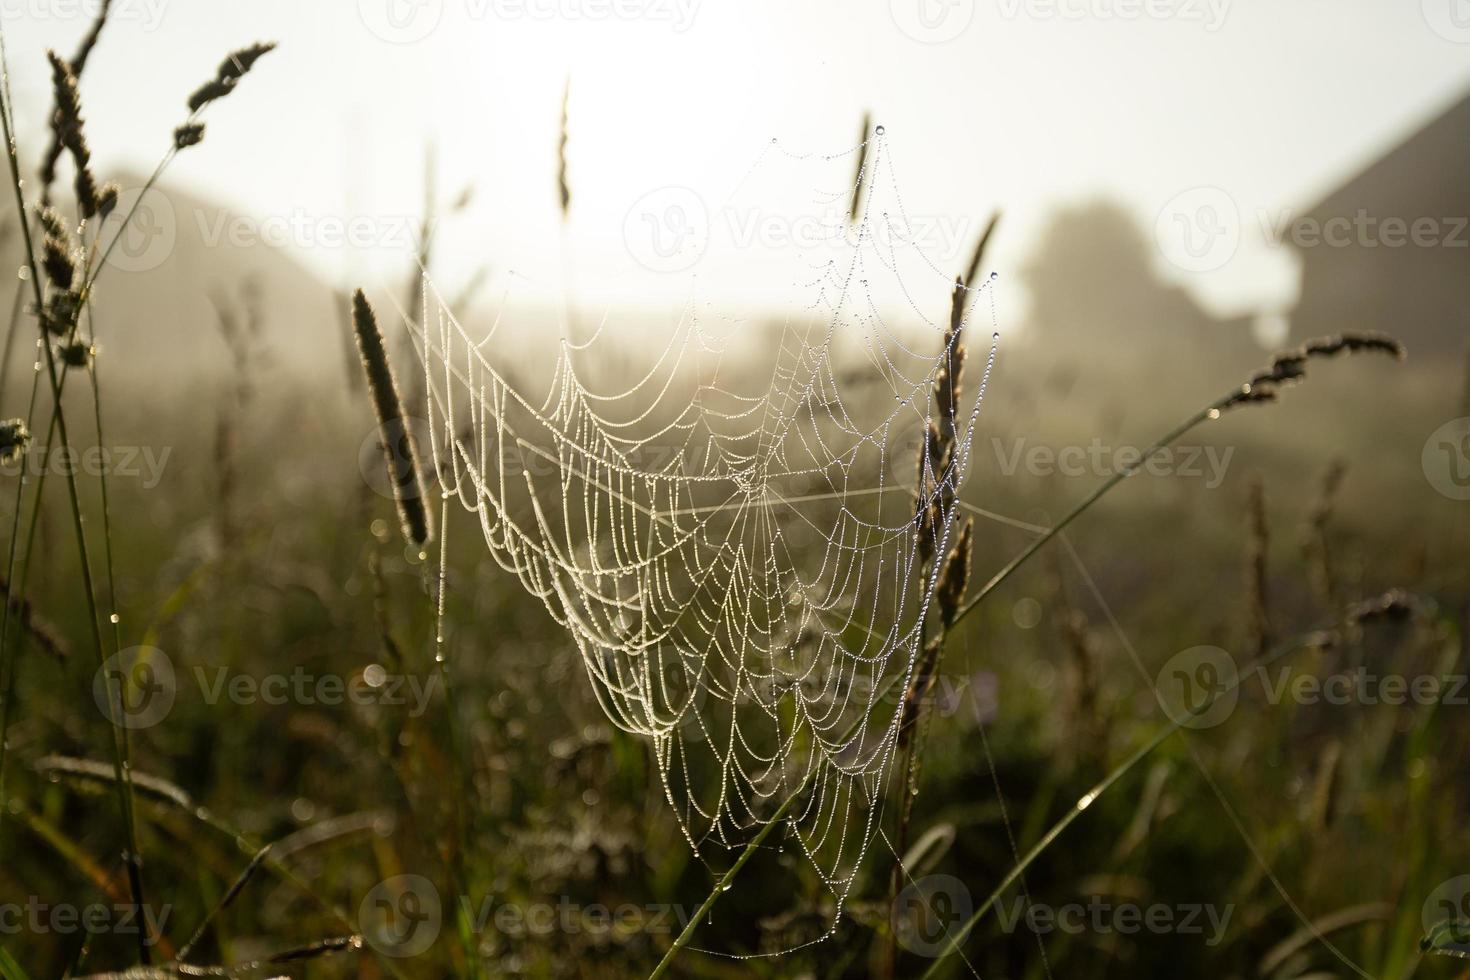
point(1015, 103)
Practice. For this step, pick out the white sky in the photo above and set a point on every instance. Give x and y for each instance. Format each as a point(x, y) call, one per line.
point(1030, 104)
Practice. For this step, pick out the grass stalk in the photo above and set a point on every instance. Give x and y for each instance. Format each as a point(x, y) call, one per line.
point(133, 858)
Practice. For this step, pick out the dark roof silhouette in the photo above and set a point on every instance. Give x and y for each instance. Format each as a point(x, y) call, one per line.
point(1390, 248)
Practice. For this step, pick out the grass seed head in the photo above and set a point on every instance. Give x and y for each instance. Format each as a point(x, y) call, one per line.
point(67, 127)
point(231, 70)
point(14, 437)
point(955, 576)
point(107, 199)
point(53, 224)
point(404, 470)
point(61, 268)
point(238, 63)
point(187, 135)
point(1290, 366)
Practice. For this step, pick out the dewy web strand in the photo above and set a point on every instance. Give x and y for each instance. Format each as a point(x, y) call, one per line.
point(739, 570)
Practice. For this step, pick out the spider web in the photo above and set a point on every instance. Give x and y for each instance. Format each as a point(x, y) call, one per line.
point(739, 567)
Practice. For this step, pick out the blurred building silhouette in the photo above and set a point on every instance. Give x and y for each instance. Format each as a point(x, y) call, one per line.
point(1390, 248)
point(1096, 290)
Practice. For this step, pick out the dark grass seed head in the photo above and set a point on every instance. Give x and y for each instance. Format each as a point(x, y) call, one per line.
point(404, 469)
point(1290, 366)
point(235, 66)
point(107, 199)
point(67, 127)
point(14, 437)
point(60, 267)
point(53, 224)
point(187, 135)
point(955, 576)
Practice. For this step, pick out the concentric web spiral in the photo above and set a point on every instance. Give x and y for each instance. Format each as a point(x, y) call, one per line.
point(737, 557)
